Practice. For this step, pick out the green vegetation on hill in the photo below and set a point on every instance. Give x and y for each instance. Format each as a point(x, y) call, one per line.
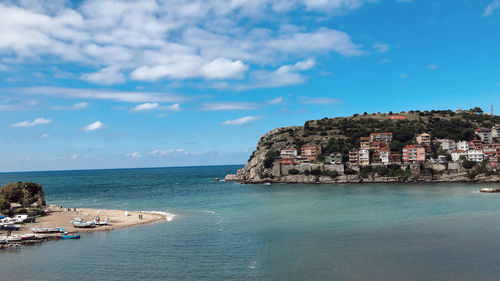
point(26, 194)
point(343, 133)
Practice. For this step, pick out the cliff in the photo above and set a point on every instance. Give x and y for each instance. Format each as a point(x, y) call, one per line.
point(341, 134)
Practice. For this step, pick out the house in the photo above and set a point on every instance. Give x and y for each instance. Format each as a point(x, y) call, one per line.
point(484, 134)
point(475, 145)
point(364, 142)
point(456, 154)
point(475, 155)
point(387, 137)
point(448, 145)
point(424, 138)
point(336, 158)
point(288, 152)
point(310, 151)
point(495, 131)
point(384, 155)
point(364, 157)
point(376, 158)
point(353, 157)
point(376, 145)
point(287, 161)
point(397, 117)
point(492, 152)
point(413, 153)
point(462, 145)
point(394, 158)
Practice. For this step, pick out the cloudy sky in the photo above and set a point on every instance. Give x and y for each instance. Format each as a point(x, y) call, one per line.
point(109, 84)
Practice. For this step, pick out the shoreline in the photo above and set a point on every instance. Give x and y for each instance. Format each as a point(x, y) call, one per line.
point(62, 217)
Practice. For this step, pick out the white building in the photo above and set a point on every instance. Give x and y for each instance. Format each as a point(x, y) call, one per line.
point(384, 155)
point(475, 155)
point(364, 157)
point(484, 134)
point(495, 131)
point(447, 145)
point(456, 154)
point(288, 152)
point(462, 145)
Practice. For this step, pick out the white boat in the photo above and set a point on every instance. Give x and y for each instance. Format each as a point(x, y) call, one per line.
point(99, 222)
point(79, 223)
point(39, 236)
point(13, 238)
point(20, 218)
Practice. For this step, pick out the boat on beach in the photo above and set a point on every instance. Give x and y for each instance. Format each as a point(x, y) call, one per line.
point(490, 190)
point(79, 223)
point(28, 236)
point(9, 227)
point(97, 221)
point(48, 230)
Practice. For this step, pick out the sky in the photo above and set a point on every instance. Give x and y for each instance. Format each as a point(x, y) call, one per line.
point(120, 84)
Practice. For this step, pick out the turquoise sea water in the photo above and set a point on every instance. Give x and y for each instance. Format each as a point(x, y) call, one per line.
point(229, 231)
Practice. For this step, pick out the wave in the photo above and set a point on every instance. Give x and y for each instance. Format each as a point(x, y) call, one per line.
point(169, 216)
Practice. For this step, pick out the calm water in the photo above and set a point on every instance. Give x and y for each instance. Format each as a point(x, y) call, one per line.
point(228, 231)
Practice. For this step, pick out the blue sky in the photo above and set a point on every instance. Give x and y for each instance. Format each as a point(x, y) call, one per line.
point(110, 84)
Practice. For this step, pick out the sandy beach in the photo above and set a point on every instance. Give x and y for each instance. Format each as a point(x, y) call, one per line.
point(62, 217)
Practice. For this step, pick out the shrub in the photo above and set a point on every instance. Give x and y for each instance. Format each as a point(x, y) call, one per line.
point(293, 172)
point(468, 164)
point(349, 171)
point(4, 204)
point(315, 172)
point(331, 174)
point(22, 211)
point(271, 156)
point(381, 170)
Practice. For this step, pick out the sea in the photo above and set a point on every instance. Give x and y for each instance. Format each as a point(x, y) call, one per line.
point(230, 231)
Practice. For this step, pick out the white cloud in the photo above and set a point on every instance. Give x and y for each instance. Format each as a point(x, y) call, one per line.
point(242, 120)
point(76, 106)
point(106, 76)
point(381, 48)
point(491, 7)
point(277, 100)
point(94, 126)
point(155, 106)
point(145, 106)
point(283, 76)
point(220, 106)
point(319, 100)
point(37, 121)
point(403, 76)
point(44, 136)
point(100, 94)
point(432, 66)
point(74, 156)
point(149, 40)
point(134, 154)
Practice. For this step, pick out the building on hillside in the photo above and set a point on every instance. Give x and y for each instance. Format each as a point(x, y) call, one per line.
point(495, 131)
point(387, 137)
point(475, 155)
point(384, 155)
point(354, 157)
point(424, 138)
point(475, 145)
point(448, 145)
point(397, 117)
point(463, 145)
point(456, 154)
point(484, 134)
point(376, 145)
point(413, 154)
point(287, 161)
point(311, 151)
point(336, 158)
point(394, 158)
point(492, 152)
point(364, 142)
point(364, 157)
point(288, 152)
point(376, 158)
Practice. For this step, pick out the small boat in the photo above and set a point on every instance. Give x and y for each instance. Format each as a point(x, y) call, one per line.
point(39, 236)
point(216, 179)
point(70, 236)
point(267, 183)
point(81, 224)
point(10, 227)
point(490, 190)
point(3, 240)
point(14, 238)
point(40, 230)
point(28, 236)
point(99, 222)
